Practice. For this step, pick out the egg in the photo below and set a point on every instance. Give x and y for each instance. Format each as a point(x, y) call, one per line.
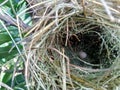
point(82, 54)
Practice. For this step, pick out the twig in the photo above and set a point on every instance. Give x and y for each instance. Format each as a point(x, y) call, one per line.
point(107, 10)
point(3, 3)
point(64, 71)
point(6, 86)
point(68, 64)
point(7, 18)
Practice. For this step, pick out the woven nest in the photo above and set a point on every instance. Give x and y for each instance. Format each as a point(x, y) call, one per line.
point(74, 45)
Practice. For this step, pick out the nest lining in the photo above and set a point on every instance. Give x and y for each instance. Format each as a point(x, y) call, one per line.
point(88, 38)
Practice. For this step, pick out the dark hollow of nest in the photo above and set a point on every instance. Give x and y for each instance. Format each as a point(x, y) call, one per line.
point(88, 42)
point(88, 37)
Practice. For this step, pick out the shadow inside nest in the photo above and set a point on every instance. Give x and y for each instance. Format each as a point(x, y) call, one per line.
point(85, 49)
point(86, 43)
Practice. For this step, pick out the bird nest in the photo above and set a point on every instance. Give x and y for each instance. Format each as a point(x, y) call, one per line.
point(73, 46)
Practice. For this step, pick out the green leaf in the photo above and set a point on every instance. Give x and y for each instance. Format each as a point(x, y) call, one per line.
point(7, 54)
point(20, 82)
point(4, 38)
point(8, 76)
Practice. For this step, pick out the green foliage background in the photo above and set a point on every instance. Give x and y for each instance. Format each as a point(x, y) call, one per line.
point(8, 50)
